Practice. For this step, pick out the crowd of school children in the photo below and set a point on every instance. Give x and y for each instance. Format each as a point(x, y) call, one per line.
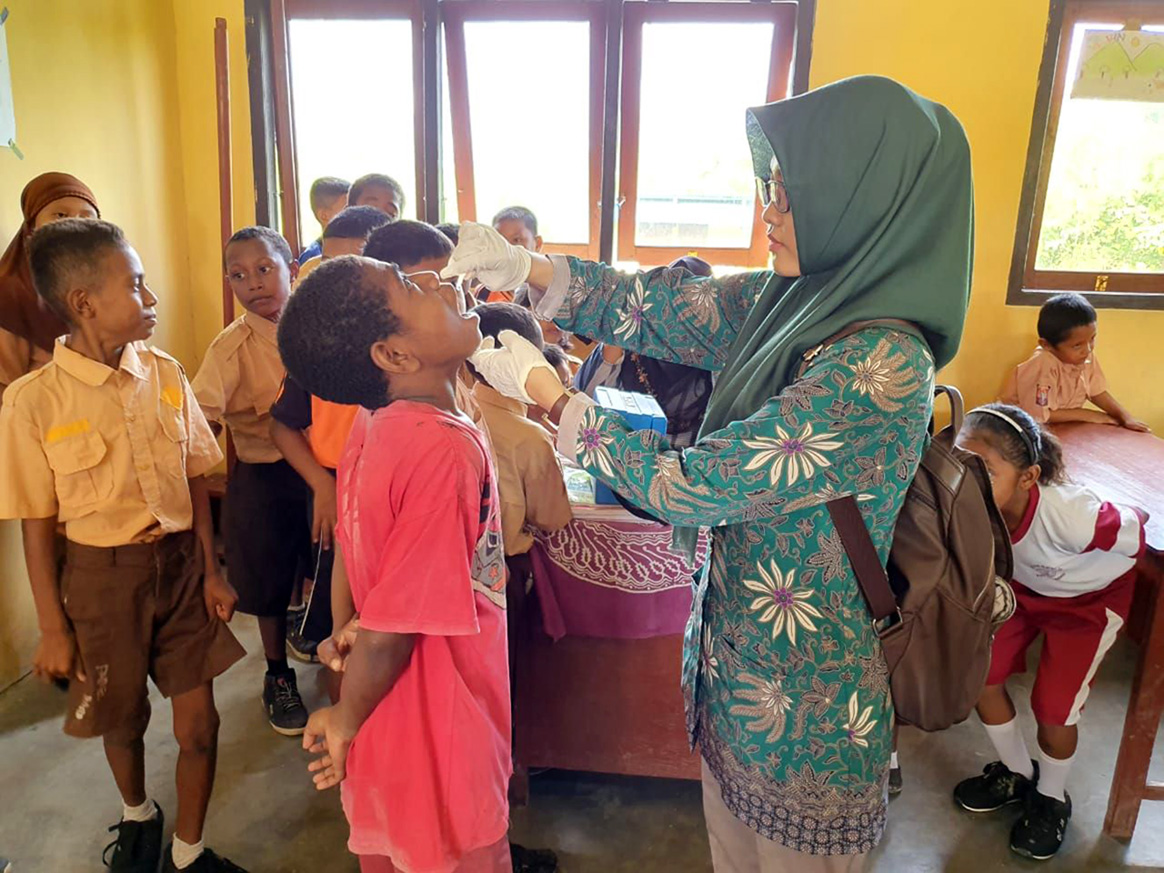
point(386, 535)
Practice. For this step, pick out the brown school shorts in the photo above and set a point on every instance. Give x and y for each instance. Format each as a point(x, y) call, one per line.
point(138, 611)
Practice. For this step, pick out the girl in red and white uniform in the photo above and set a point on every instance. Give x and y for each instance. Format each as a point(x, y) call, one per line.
point(1074, 567)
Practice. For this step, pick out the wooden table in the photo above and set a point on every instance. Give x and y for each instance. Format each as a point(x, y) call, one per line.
point(1126, 467)
point(604, 700)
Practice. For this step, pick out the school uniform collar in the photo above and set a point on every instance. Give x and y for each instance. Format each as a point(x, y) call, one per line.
point(492, 397)
point(95, 373)
point(264, 327)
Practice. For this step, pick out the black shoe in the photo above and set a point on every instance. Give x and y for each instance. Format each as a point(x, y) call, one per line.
point(1039, 832)
point(285, 709)
point(298, 646)
point(207, 862)
point(138, 846)
point(5, 865)
point(895, 782)
point(532, 860)
point(994, 789)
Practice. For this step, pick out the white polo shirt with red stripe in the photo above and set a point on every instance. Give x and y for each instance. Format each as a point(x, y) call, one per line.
point(1071, 542)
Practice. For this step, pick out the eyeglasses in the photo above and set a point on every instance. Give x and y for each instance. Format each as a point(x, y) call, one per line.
point(773, 191)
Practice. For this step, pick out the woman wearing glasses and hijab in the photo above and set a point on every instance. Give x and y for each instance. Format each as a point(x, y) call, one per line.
point(867, 198)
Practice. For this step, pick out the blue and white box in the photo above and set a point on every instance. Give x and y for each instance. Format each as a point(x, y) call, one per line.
point(639, 411)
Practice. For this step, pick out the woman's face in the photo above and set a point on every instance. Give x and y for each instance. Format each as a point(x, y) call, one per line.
point(63, 207)
point(781, 233)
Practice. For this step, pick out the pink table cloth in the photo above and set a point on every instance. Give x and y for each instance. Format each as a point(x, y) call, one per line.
point(609, 574)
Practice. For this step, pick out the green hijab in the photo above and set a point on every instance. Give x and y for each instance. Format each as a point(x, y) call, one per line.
point(879, 186)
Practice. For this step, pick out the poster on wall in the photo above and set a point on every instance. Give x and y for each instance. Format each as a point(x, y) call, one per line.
point(7, 109)
point(1121, 65)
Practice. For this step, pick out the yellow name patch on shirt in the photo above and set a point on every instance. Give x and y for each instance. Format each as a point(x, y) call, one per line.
point(173, 396)
point(64, 431)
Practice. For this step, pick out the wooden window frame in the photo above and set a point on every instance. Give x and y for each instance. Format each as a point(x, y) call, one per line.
point(454, 15)
point(282, 12)
point(1029, 286)
point(784, 40)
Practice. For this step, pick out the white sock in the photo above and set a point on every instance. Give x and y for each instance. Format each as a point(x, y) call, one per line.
point(1053, 775)
point(1011, 747)
point(147, 811)
point(893, 761)
point(186, 854)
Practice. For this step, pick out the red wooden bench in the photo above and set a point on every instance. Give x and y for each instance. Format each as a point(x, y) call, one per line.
point(1126, 467)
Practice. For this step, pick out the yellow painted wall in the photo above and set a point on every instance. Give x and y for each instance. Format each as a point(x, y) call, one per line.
point(194, 63)
point(982, 59)
point(121, 94)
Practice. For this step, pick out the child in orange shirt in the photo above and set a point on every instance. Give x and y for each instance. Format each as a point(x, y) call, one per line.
point(1063, 374)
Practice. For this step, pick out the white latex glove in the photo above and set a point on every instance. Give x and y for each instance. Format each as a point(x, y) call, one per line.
point(485, 255)
point(507, 368)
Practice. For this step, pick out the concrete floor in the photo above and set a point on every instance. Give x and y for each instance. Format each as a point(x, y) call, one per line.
point(56, 797)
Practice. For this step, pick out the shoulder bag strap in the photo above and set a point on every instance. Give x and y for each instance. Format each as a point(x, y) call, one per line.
point(863, 557)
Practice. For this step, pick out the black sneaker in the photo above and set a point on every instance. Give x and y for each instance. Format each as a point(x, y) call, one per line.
point(138, 846)
point(895, 781)
point(298, 646)
point(532, 860)
point(994, 789)
point(208, 862)
point(1039, 832)
point(285, 709)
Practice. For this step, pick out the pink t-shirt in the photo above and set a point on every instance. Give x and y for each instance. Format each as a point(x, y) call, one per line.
point(428, 772)
point(1043, 383)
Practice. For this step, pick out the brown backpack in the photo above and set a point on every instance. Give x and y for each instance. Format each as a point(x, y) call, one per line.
point(934, 610)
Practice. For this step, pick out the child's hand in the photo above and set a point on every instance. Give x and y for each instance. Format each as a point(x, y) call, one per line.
point(486, 255)
point(325, 737)
point(323, 515)
point(1133, 424)
point(334, 651)
point(220, 596)
point(56, 655)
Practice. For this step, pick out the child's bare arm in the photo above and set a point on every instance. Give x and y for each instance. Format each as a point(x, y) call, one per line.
point(219, 595)
point(296, 449)
point(57, 649)
point(376, 662)
point(1087, 416)
point(1121, 416)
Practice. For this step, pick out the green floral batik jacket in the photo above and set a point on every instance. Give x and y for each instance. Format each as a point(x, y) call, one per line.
point(785, 684)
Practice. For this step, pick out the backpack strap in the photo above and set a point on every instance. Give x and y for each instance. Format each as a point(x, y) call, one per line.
point(862, 554)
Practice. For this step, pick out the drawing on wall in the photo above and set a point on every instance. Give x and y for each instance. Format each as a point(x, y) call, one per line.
point(1121, 65)
point(7, 109)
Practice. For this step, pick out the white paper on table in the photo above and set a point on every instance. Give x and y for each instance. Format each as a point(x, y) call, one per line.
point(7, 108)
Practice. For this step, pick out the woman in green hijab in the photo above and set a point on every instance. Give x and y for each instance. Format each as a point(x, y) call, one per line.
point(868, 201)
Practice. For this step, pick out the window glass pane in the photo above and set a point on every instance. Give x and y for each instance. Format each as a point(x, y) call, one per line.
point(1105, 197)
point(351, 84)
point(696, 183)
point(514, 68)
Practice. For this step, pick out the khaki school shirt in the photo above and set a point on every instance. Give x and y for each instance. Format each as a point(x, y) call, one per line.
point(238, 382)
point(1043, 384)
point(108, 452)
point(529, 477)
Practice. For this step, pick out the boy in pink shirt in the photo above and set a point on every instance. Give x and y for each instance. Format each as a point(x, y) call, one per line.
point(1063, 374)
point(421, 735)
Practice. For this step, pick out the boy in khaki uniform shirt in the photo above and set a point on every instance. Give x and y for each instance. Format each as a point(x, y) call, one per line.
point(108, 440)
point(265, 514)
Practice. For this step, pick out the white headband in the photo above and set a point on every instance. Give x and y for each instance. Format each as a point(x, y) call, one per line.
point(1033, 445)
